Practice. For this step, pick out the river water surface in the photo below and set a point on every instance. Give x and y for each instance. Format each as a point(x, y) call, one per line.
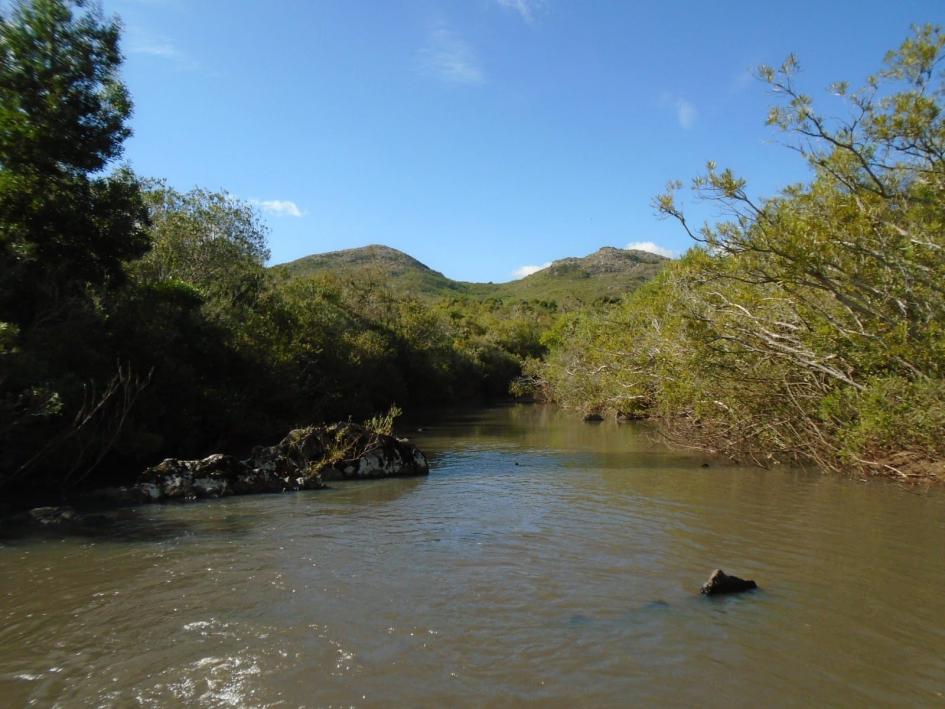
point(543, 561)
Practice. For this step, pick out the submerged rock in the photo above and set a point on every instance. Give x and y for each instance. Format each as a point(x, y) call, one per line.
point(56, 520)
point(47, 519)
point(720, 582)
point(50, 516)
point(302, 460)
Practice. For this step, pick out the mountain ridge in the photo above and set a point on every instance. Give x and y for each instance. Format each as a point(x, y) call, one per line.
point(605, 274)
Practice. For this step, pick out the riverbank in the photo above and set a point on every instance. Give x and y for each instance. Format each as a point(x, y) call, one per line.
point(912, 467)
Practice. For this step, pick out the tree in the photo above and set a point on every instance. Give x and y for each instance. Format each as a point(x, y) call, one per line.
point(832, 291)
point(809, 325)
point(66, 227)
point(63, 115)
point(211, 241)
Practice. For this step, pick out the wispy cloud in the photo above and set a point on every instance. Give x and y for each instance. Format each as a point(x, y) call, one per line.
point(529, 270)
point(144, 43)
point(148, 2)
point(156, 48)
point(741, 81)
point(685, 114)
point(279, 207)
point(525, 8)
point(650, 247)
point(685, 110)
point(449, 58)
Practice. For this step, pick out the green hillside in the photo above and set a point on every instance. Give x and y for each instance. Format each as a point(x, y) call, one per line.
point(604, 275)
point(395, 268)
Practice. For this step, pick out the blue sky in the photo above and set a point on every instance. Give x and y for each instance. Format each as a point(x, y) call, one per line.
point(480, 136)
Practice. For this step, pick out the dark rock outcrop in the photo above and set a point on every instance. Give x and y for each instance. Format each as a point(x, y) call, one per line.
point(54, 520)
point(357, 453)
point(720, 582)
point(49, 516)
point(302, 460)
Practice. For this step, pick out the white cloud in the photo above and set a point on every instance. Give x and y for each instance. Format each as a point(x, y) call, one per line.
point(279, 207)
point(650, 247)
point(529, 270)
point(450, 59)
point(147, 2)
point(156, 48)
point(525, 8)
point(686, 112)
point(146, 44)
point(139, 42)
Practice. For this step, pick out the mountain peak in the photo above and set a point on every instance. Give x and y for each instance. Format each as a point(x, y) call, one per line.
point(608, 273)
point(607, 259)
point(374, 256)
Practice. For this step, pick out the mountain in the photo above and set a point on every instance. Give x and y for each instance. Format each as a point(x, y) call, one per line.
point(399, 270)
point(605, 274)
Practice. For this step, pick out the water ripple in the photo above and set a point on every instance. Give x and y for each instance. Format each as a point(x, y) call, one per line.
point(543, 561)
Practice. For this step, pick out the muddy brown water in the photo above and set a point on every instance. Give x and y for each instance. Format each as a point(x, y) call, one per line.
point(544, 561)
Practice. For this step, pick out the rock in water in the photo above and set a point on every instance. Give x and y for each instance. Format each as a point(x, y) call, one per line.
point(357, 453)
point(720, 582)
point(51, 516)
point(302, 460)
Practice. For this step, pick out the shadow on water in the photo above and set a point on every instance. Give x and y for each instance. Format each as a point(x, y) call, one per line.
point(227, 517)
point(692, 608)
point(129, 525)
point(644, 614)
point(363, 493)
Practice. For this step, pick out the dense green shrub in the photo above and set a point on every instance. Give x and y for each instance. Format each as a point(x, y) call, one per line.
point(811, 325)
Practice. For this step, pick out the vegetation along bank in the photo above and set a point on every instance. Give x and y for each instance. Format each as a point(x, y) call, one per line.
point(139, 322)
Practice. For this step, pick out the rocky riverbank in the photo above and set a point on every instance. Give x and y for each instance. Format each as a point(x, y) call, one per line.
point(305, 459)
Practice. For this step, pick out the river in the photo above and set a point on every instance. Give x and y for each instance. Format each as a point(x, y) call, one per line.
point(544, 560)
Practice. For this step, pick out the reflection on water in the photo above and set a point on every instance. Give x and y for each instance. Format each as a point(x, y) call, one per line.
point(543, 560)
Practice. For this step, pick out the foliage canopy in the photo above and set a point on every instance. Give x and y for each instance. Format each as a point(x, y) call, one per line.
point(779, 334)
